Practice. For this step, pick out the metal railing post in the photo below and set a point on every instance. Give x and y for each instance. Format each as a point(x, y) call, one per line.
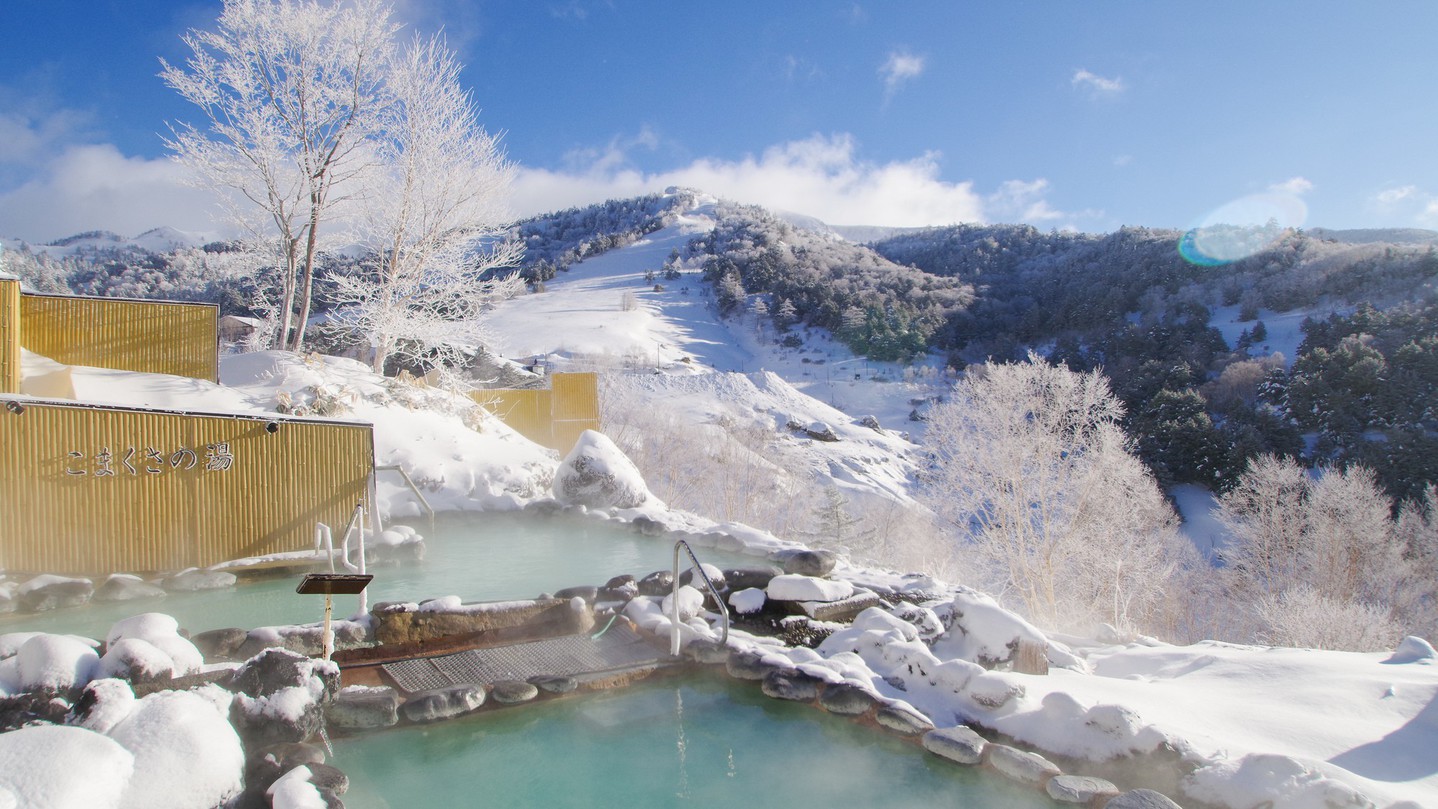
point(674, 598)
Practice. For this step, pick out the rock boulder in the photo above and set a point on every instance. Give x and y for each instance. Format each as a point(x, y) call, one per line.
point(596, 474)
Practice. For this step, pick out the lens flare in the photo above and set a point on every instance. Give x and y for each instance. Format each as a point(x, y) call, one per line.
point(1242, 228)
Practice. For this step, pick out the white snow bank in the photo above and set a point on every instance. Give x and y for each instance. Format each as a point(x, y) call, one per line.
point(794, 587)
point(186, 754)
point(50, 662)
point(293, 790)
point(1414, 650)
point(161, 632)
point(1276, 782)
point(1347, 716)
point(981, 631)
point(58, 767)
point(461, 457)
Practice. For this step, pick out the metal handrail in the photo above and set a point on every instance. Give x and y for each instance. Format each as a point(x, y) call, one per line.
point(324, 537)
point(409, 482)
point(674, 598)
point(356, 522)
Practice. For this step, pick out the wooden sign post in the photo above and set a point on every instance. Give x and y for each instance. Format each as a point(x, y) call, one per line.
point(330, 584)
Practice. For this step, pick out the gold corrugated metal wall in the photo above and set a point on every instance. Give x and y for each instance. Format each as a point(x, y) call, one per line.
point(9, 336)
point(553, 418)
point(575, 408)
point(157, 337)
point(526, 410)
point(87, 490)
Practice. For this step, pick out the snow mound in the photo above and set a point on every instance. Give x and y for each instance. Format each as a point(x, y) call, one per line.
point(185, 752)
point(293, 790)
point(162, 633)
point(58, 767)
point(794, 587)
point(1278, 782)
point(51, 663)
point(981, 631)
point(1414, 650)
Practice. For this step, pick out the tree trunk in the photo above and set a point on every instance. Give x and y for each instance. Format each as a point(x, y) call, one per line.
point(287, 304)
point(308, 279)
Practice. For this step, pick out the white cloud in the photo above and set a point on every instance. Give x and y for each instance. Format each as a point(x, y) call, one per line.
point(900, 67)
point(1406, 205)
point(819, 176)
point(1394, 196)
point(1022, 201)
point(1428, 217)
point(94, 187)
point(27, 139)
point(1097, 84)
point(1297, 186)
point(798, 68)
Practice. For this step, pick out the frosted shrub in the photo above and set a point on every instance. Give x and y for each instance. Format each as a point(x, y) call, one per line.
point(1032, 470)
point(1320, 559)
point(1304, 617)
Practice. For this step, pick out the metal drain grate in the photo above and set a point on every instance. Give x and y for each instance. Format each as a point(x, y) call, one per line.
point(571, 655)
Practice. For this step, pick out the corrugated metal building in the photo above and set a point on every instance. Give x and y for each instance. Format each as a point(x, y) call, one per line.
point(94, 489)
point(554, 417)
point(157, 337)
point(90, 489)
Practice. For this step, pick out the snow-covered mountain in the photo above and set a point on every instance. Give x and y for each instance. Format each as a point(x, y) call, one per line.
point(738, 388)
point(158, 240)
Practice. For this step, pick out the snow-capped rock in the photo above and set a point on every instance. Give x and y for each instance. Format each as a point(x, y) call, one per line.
point(596, 474)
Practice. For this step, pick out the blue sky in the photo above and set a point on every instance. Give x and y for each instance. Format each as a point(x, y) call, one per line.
point(1062, 114)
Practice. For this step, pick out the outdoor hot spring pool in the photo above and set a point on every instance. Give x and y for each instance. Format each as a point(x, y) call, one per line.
point(698, 739)
point(478, 557)
point(701, 740)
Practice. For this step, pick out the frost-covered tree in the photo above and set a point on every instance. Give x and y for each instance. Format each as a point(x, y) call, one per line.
point(1307, 618)
point(785, 314)
point(1332, 533)
point(730, 293)
point(289, 91)
point(835, 525)
point(1352, 554)
point(1324, 544)
point(1416, 530)
point(432, 209)
point(1031, 466)
point(1263, 515)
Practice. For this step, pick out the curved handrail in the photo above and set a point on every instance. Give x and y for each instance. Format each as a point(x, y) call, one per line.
point(325, 538)
point(356, 523)
point(674, 598)
point(423, 502)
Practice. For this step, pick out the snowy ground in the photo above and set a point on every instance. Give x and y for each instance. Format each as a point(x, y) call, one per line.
point(1355, 718)
point(1285, 329)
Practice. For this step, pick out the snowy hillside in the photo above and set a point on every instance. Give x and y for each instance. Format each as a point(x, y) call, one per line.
point(718, 375)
